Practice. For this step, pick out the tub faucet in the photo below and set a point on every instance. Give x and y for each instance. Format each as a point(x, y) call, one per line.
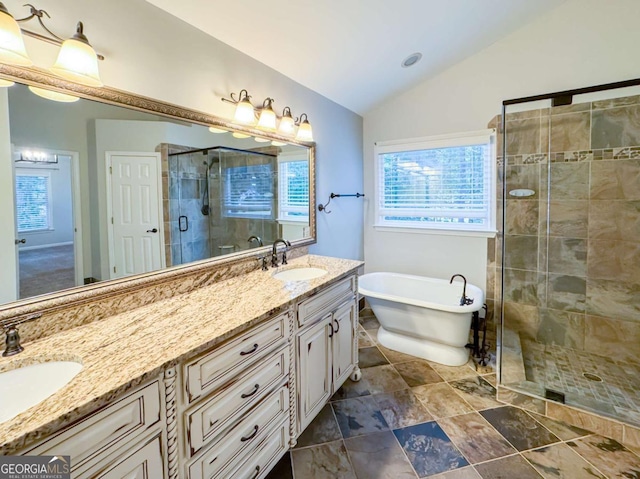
point(463, 300)
point(255, 238)
point(274, 252)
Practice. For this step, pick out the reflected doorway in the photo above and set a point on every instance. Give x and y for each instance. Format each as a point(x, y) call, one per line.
point(48, 245)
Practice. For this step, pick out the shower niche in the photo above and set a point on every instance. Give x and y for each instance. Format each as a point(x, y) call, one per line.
point(221, 200)
point(567, 261)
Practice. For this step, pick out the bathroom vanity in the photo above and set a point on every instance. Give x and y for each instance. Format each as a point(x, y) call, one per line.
point(214, 383)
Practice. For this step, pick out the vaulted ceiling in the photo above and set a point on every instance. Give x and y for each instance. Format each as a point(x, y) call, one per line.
point(351, 50)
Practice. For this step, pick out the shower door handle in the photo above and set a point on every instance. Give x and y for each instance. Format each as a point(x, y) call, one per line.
point(183, 223)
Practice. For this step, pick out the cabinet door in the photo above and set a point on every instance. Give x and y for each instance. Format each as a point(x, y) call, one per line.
point(314, 370)
point(344, 323)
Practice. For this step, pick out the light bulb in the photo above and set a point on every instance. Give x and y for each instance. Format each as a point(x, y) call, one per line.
point(245, 113)
point(12, 49)
point(267, 119)
point(305, 133)
point(287, 125)
point(77, 61)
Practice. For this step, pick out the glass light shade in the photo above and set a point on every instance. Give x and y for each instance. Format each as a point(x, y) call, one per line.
point(245, 113)
point(6, 83)
point(53, 95)
point(267, 119)
point(261, 140)
point(287, 125)
point(278, 143)
point(240, 135)
point(12, 49)
point(305, 133)
point(77, 61)
point(213, 129)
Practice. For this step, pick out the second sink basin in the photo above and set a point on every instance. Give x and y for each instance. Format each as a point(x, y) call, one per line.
point(300, 274)
point(24, 387)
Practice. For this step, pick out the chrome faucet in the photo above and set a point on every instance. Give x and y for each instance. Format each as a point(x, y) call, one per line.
point(255, 238)
point(464, 301)
point(274, 252)
point(12, 340)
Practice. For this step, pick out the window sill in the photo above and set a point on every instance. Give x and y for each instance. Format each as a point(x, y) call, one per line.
point(436, 231)
point(289, 221)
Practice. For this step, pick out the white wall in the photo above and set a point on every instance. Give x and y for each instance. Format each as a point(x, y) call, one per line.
point(581, 43)
point(151, 53)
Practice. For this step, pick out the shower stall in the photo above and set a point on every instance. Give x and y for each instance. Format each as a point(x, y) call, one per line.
point(568, 258)
point(216, 199)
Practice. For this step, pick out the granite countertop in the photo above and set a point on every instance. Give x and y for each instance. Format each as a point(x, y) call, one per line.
point(125, 350)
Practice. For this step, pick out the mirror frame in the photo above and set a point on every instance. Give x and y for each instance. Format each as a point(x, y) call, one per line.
point(82, 294)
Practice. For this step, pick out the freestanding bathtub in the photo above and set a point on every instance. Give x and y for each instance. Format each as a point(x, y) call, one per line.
point(422, 316)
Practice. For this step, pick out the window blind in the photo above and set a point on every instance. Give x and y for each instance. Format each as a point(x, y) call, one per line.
point(441, 184)
point(248, 191)
point(293, 190)
point(33, 202)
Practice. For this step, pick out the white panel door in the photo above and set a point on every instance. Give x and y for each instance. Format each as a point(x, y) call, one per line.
point(136, 214)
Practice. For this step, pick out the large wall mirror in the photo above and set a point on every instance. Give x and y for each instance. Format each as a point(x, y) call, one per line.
point(115, 185)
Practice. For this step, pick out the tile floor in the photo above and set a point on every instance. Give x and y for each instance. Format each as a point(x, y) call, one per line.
point(409, 418)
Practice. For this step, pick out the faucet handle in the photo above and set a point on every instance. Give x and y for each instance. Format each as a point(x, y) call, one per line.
point(263, 262)
point(12, 341)
point(284, 257)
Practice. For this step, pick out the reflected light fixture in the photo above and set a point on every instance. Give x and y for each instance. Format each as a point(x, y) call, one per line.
point(287, 124)
point(6, 83)
point(12, 50)
point(278, 143)
point(53, 95)
point(237, 134)
point(267, 119)
point(261, 140)
point(213, 129)
point(77, 60)
point(305, 133)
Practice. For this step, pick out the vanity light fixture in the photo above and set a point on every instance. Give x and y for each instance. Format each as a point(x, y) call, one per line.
point(34, 156)
point(213, 129)
point(237, 134)
point(268, 120)
point(77, 60)
point(261, 140)
point(305, 133)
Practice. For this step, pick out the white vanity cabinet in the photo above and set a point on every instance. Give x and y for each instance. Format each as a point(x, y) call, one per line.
point(235, 409)
point(326, 347)
point(121, 440)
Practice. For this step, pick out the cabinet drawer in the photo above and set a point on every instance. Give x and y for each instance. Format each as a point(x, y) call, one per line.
point(145, 462)
point(237, 397)
point(210, 371)
point(107, 428)
point(248, 432)
point(316, 306)
point(257, 462)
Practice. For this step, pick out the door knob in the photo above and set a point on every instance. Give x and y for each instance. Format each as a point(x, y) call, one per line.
point(23, 241)
point(154, 230)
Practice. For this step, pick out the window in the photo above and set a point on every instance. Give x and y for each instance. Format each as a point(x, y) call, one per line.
point(33, 201)
point(293, 191)
point(438, 183)
point(248, 191)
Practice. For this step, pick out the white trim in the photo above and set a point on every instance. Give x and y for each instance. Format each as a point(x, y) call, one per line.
point(43, 246)
point(436, 140)
point(434, 231)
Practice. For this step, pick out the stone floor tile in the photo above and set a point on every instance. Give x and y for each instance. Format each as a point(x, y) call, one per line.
point(429, 449)
point(378, 456)
point(351, 389)
point(462, 473)
point(401, 408)
point(475, 437)
point(322, 462)
point(452, 373)
point(512, 467)
point(441, 400)
point(369, 357)
point(519, 428)
point(609, 456)
point(324, 428)
point(395, 356)
point(359, 416)
point(382, 379)
point(364, 340)
point(417, 373)
point(477, 391)
point(561, 429)
point(559, 461)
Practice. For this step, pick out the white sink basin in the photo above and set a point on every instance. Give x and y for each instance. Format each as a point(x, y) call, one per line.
point(24, 387)
point(300, 274)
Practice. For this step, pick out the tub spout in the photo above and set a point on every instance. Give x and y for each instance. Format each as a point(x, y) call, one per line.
point(464, 301)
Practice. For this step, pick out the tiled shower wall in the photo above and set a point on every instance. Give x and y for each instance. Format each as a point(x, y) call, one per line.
point(571, 274)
